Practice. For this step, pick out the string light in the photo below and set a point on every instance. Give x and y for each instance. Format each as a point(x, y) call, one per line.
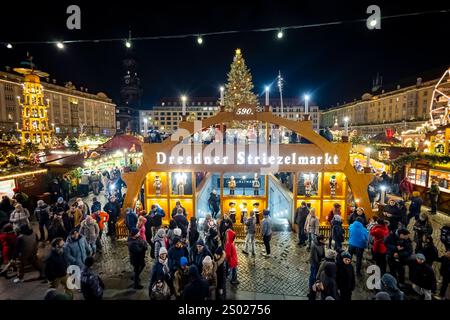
point(279, 35)
point(128, 44)
point(9, 46)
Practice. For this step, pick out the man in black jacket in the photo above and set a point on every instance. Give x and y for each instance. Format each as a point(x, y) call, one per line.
point(91, 284)
point(345, 277)
point(56, 265)
point(198, 288)
point(113, 209)
point(181, 221)
point(136, 249)
point(399, 250)
point(422, 277)
point(178, 206)
point(300, 219)
point(393, 214)
point(42, 213)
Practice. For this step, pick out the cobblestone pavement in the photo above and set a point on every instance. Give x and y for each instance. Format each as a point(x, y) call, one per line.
point(282, 276)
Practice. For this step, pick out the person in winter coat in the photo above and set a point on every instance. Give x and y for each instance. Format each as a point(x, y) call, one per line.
point(444, 270)
point(159, 241)
point(42, 214)
point(157, 214)
point(181, 222)
point(406, 188)
point(219, 259)
point(300, 220)
point(131, 220)
point(91, 284)
point(357, 242)
point(198, 253)
point(337, 232)
point(328, 280)
point(198, 288)
point(336, 211)
point(96, 205)
point(250, 230)
point(26, 252)
point(311, 227)
point(231, 256)
point(57, 229)
point(428, 249)
point(90, 230)
point(161, 270)
point(101, 217)
point(422, 227)
point(359, 212)
point(345, 277)
point(169, 233)
point(434, 196)
point(175, 210)
point(399, 250)
point(209, 274)
point(6, 206)
point(317, 254)
point(379, 232)
point(445, 236)
point(136, 249)
point(112, 208)
point(266, 232)
point(76, 249)
point(181, 277)
point(19, 217)
point(392, 213)
point(192, 232)
point(56, 265)
point(403, 213)
point(330, 257)
point(75, 216)
point(141, 226)
point(214, 203)
point(212, 239)
point(8, 240)
point(415, 206)
point(160, 290)
point(389, 285)
point(422, 276)
point(60, 207)
point(224, 224)
point(176, 252)
point(83, 206)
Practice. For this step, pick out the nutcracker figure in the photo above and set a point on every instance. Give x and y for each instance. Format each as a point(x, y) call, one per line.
point(180, 179)
point(308, 185)
point(232, 212)
point(232, 185)
point(256, 211)
point(255, 185)
point(244, 211)
point(333, 185)
point(157, 184)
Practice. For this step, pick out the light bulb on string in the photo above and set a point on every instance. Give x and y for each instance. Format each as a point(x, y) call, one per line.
point(128, 43)
point(199, 40)
point(9, 45)
point(60, 45)
point(280, 34)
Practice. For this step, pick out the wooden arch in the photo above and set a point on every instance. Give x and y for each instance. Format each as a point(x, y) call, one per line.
point(358, 181)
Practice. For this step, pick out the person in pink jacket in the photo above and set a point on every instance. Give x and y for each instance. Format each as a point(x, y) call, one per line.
point(406, 188)
point(141, 226)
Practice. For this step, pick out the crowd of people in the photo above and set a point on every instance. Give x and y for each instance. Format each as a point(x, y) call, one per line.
point(190, 262)
point(386, 242)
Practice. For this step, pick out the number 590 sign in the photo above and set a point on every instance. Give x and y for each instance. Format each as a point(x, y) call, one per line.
point(245, 111)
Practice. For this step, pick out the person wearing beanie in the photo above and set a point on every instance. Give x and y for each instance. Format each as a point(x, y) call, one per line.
point(382, 295)
point(422, 227)
point(161, 270)
point(198, 253)
point(181, 277)
point(19, 217)
point(96, 205)
point(198, 288)
point(389, 285)
point(317, 254)
point(53, 294)
point(357, 242)
point(392, 213)
point(444, 270)
point(422, 276)
point(330, 258)
point(159, 241)
point(337, 232)
point(131, 219)
point(266, 231)
point(300, 219)
point(56, 265)
point(137, 248)
point(91, 284)
point(399, 250)
point(212, 239)
point(358, 213)
point(219, 259)
point(311, 227)
point(379, 232)
point(209, 274)
point(91, 231)
point(175, 253)
point(76, 248)
point(141, 226)
point(345, 277)
point(42, 214)
point(25, 252)
point(182, 222)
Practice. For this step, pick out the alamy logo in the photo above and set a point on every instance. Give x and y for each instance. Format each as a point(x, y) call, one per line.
point(374, 20)
point(74, 20)
point(74, 277)
point(374, 280)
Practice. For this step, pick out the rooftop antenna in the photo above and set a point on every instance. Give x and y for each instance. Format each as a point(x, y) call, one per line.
point(280, 87)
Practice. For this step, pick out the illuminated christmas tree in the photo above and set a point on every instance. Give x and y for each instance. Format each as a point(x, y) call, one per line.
point(35, 128)
point(238, 90)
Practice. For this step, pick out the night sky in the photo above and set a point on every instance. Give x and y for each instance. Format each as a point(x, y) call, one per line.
point(333, 63)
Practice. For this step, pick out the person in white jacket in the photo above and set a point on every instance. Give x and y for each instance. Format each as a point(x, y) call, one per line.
point(311, 227)
point(19, 217)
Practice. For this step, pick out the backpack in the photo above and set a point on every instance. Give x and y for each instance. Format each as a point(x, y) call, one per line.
point(91, 286)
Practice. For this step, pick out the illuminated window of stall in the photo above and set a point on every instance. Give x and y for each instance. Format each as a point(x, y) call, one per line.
point(443, 179)
point(418, 176)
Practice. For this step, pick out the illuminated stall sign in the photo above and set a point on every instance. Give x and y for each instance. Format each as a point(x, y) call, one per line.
point(242, 158)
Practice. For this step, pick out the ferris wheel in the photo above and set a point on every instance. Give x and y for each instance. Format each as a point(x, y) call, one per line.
point(440, 102)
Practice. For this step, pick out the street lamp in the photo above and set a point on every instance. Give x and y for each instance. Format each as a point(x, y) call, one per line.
point(145, 127)
point(383, 194)
point(183, 105)
point(306, 97)
point(368, 151)
point(346, 120)
point(222, 95)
